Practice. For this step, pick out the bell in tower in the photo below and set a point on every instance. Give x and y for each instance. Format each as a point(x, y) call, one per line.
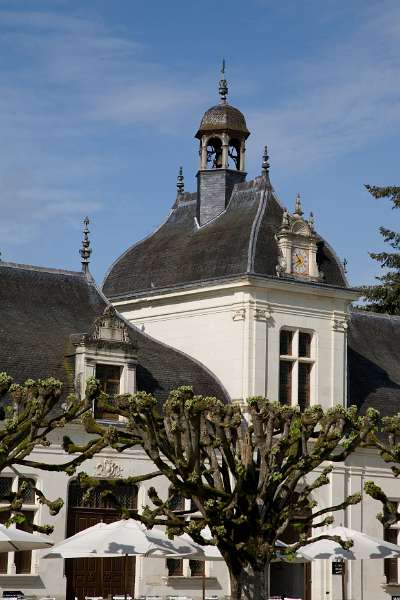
point(222, 134)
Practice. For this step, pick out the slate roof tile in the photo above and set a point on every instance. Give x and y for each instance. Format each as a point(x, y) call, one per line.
point(41, 308)
point(239, 241)
point(374, 362)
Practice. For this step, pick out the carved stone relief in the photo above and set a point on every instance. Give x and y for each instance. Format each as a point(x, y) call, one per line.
point(109, 469)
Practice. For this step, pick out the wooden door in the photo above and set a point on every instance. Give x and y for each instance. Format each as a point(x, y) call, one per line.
point(96, 576)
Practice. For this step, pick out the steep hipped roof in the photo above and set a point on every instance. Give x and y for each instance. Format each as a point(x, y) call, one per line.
point(41, 308)
point(374, 362)
point(240, 241)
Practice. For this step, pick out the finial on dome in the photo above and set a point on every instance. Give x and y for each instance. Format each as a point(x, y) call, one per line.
point(297, 207)
point(223, 84)
point(86, 250)
point(265, 162)
point(311, 221)
point(180, 184)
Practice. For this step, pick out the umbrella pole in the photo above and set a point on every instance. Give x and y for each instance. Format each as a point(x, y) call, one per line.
point(267, 580)
point(203, 582)
point(126, 576)
point(343, 579)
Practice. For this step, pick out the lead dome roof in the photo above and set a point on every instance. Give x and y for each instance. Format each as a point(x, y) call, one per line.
point(223, 117)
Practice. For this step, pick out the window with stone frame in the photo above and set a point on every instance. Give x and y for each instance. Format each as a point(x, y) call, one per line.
point(391, 565)
point(107, 353)
point(110, 382)
point(296, 366)
point(179, 567)
point(16, 563)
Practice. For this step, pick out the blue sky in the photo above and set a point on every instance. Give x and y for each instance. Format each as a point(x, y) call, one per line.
point(100, 99)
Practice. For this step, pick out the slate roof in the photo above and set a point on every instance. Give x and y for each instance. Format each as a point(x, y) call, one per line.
point(374, 362)
point(239, 241)
point(40, 309)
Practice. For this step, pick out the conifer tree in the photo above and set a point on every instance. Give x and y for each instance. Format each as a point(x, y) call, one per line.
point(384, 297)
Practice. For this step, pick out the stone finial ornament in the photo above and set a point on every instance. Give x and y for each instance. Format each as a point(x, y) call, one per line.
point(265, 162)
point(285, 220)
point(223, 84)
point(297, 206)
point(311, 221)
point(180, 182)
point(86, 250)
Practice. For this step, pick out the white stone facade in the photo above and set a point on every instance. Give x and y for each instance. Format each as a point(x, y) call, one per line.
point(47, 577)
point(233, 328)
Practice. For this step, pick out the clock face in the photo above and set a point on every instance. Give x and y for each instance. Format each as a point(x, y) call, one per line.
point(299, 261)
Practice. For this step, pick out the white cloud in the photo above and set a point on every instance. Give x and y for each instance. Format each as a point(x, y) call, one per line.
point(340, 101)
point(67, 81)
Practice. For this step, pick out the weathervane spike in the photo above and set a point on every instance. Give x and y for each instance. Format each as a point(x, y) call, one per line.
point(180, 182)
point(86, 250)
point(223, 84)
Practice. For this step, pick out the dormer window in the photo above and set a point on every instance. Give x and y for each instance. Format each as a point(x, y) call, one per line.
point(107, 353)
point(296, 365)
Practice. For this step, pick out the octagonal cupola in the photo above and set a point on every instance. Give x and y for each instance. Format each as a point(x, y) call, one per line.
point(222, 134)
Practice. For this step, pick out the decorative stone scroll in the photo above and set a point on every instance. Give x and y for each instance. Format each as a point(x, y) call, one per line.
point(262, 314)
point(340, 324)
point(109, 469)
point(239, 314)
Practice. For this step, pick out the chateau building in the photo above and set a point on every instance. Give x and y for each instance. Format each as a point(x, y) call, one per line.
point(244, 283)
point(237, 294)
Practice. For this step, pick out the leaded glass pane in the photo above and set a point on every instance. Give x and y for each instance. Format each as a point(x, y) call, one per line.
point(28, 496)
point(286, 338)
point(175, 567)
point(5, 488)
point(196, 568)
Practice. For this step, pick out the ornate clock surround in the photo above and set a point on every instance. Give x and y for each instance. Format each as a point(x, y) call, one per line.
point(297, 244)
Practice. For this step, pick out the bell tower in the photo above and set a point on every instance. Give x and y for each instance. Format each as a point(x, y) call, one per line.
point(222, 134)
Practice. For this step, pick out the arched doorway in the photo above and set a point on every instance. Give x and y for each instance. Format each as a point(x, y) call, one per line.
point(97, 576)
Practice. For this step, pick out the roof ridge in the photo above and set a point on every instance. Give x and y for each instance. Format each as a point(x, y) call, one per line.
point(255, 228)
point(370, 313)
point(23, 266)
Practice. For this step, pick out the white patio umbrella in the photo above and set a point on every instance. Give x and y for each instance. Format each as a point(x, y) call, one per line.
point(364, 547)
point(211, 553)
point(14, 540)
point(122, 538)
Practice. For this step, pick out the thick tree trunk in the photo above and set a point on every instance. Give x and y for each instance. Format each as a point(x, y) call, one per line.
point(250, 584)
